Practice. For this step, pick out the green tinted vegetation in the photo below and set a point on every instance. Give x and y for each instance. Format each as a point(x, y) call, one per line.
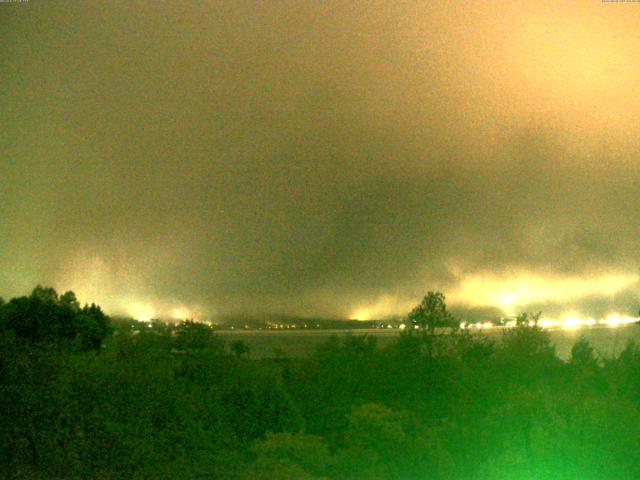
point(81, 400)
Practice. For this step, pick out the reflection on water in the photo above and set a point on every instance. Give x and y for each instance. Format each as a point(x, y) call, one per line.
point(608, 339)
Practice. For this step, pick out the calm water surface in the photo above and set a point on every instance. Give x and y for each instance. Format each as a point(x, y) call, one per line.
point(607, 340)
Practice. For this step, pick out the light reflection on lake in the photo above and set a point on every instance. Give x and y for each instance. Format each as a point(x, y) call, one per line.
point(606, 340)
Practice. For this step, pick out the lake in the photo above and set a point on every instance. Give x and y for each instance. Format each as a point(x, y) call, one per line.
point(606, 340)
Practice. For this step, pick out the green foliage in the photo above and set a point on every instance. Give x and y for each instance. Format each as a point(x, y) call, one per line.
point(376, 443)
point(69, 300)
point(239, 348)
point(431, 313)
point(474, 350)
point(291, 456)
point(91, 326)
point(157, 402)
point(45, 318)
point(526, 319)
point(192, 336)
point(526, 355)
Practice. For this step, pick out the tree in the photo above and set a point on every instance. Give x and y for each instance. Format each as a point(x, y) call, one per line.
point(583, 355)
point(193, 336)
point(526, 352)
point(383, 443)
point(43, 317)
point(91, 325)
point(69, 300)
point(293, 456)
point(46, 294)
point(525, 318)
point(431, 313)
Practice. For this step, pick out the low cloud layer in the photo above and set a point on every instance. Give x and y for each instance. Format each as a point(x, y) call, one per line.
point(333, 158)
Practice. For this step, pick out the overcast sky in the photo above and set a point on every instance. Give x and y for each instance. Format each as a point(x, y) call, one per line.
point(322, 158)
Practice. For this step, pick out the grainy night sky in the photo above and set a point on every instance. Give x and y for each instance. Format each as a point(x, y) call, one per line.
point(321, 158)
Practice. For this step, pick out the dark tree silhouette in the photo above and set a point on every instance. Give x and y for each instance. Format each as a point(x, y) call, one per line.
point(69, 300)
point(523, 319)
point(43, 317)
point(192, 336)
point(430, 314)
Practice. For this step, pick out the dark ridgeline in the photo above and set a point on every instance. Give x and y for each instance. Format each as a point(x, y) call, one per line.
point(82, 400)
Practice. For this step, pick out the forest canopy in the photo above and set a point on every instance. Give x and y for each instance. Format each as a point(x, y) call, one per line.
point(80, 399)
point(46, 317)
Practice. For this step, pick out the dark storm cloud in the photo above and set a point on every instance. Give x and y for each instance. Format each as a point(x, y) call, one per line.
point(292, 156)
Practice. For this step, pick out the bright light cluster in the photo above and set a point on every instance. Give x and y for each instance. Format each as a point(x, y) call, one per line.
point(511, 292)
point(614, 320)
point(573, 321)
point(568, 322)
point(141, 311)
